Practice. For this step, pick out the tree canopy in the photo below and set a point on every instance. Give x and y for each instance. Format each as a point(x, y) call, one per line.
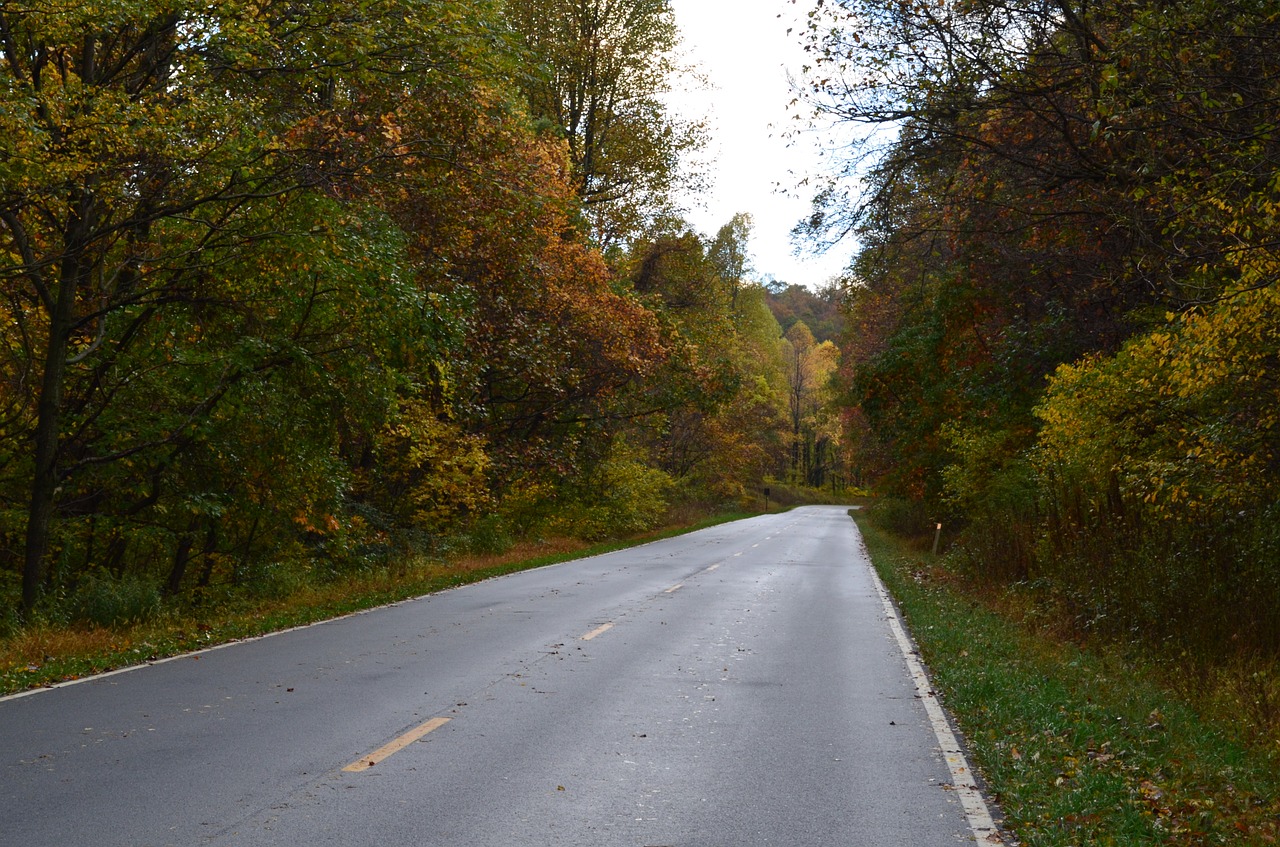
point(1057, 321)
point(289, 291)
point(601, 68)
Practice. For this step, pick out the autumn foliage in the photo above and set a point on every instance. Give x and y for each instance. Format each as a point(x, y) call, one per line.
point(1063, 330)
point(291, 290)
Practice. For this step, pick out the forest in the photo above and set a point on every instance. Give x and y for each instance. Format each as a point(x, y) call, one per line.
point(292, 291)
point(1064, 333)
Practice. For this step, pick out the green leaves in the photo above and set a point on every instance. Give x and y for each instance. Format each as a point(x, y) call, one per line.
point(216, 316)
point(284, 285)
point(602, 69)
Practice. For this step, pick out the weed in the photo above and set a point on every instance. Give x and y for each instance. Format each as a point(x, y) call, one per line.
point(1079, 747)
point(103, 600)
point(490, 535)
point(906, 518)
point(52, 651)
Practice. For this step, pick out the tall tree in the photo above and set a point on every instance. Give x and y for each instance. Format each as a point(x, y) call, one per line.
point(603, 68)
point(1082, 196)
point(1047, 194)
point(814, 424)
point(144, 150)
point(729, 251)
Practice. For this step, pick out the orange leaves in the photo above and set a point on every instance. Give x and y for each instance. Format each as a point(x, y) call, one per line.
point(548, 339)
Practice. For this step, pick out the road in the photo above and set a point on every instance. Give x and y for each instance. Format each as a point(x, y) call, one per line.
point(737, 686)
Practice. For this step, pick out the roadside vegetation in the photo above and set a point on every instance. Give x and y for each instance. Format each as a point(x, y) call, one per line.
point(1082, 742)
point(300, 298)
point(116, 626)
point(1063, 341)
point(47, 652)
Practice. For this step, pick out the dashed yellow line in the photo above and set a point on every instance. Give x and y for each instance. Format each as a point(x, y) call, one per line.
point(600, 630)
point(387, 750)
point(713, 567)
point(673, 589)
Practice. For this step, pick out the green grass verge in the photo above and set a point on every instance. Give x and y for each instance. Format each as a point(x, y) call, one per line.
point(1078, 748)
point(71, 653)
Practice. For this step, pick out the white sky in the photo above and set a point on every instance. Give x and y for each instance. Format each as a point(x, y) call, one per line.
point(742, 47)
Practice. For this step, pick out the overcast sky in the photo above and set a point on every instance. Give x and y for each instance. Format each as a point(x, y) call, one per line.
point(743, 48)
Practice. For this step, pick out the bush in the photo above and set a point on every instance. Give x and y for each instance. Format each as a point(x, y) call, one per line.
point(104, 600)
point(10, 600)
point(1209, 588)
point(626, 496)
point(276, 580)
point(10, 621)
point(490, 535)
point(906, 518)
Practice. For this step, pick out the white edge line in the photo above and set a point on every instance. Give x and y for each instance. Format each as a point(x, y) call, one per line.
point(67, 683)
point(975, 805)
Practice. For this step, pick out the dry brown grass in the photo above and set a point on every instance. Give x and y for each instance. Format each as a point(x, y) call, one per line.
point(42, 654)
point(522, 551)
point(36, 645)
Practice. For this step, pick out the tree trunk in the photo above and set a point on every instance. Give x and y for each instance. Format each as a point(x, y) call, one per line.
point(210, 545)
point(180, 559)
point(44, 483)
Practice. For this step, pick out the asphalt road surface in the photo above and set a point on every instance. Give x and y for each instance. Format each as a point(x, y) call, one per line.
point(734, 687)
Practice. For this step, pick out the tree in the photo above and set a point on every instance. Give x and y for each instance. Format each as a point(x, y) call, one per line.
point(118, 127)
point(1061, 324)
point(1084, 133)
point(729, 253)
point(715, 410)
point(814, 423)
point(603, 67)
point(820, 310)
point(673, 273)
point(147, 152)
point(1011, 224)
point(801, 382)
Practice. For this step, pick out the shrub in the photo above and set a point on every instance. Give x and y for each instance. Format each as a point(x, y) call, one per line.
point(900, 516)
point(276, 579)
point(490, 535)
point(104, 600)
point(626, 496)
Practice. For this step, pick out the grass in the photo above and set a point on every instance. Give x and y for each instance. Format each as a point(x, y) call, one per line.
point(43, 655)
point(1079, 747)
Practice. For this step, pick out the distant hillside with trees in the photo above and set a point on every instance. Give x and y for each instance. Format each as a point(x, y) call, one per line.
point(819, 310)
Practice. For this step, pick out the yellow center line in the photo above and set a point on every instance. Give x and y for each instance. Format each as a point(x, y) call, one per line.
point(600, 630)
point(713, 567)
point(387, 750)
point(673, 589)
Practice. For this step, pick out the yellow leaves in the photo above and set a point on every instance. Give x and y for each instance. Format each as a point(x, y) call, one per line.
point(1186, 415)
point(442, 471)
point(1161, 341)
